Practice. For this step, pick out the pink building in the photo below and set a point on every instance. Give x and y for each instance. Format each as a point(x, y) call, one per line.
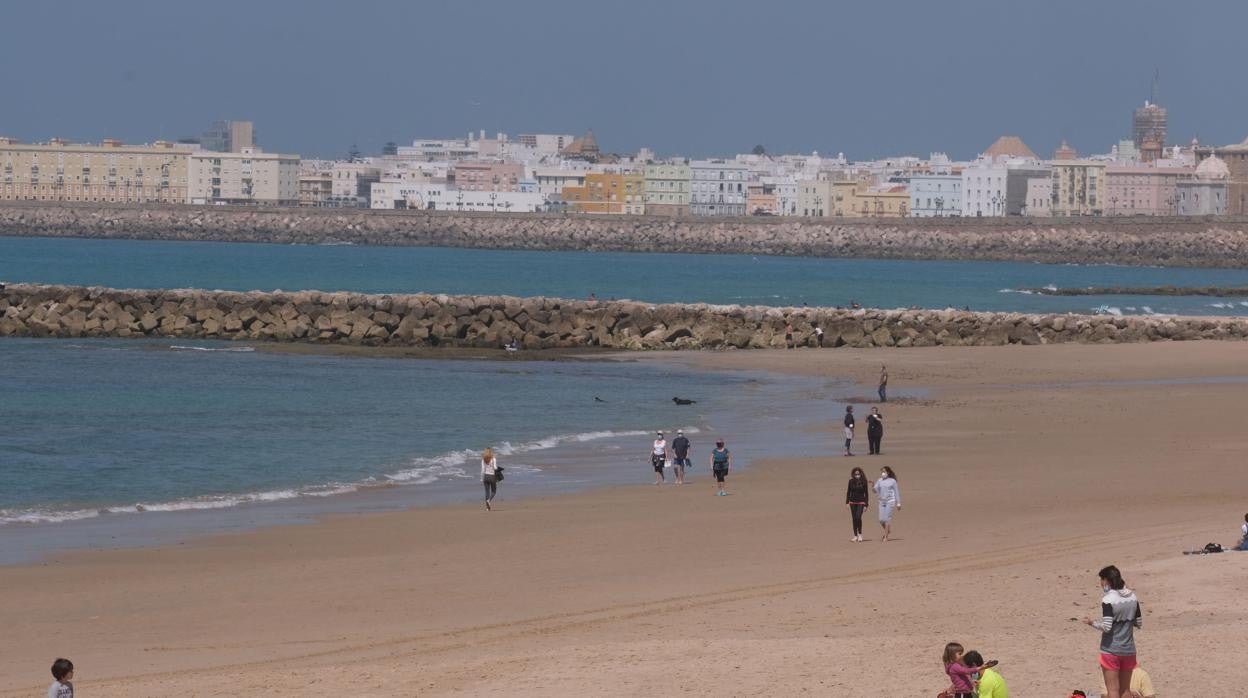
point(1139, 190)
point(487, 176)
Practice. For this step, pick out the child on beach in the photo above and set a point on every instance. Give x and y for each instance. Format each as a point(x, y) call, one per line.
point(63, 686)
point(1120, 616)
point(961, 676)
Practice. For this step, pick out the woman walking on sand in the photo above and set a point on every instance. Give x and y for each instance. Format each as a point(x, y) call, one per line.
point(890, 499)
point(856, 500)
point(489, 475)
point(875, 430)
point(1120, 616)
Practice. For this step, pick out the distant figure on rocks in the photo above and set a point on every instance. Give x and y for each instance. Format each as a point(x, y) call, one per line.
point(819, 335)
point(513, 345)
point(788, 336)
point(849, 428)
point(875, 431)
point(489, 475)
point(658, 456)
point(721, 463)
point(683, 401)
point(883, 391)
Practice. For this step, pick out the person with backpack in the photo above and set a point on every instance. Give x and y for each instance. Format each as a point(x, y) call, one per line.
point(721, 463)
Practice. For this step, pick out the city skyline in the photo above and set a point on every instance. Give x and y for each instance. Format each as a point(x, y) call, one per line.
point(696, 79)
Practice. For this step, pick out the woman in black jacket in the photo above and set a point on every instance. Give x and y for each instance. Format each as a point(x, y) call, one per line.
point(875, 430)
point(856, 500)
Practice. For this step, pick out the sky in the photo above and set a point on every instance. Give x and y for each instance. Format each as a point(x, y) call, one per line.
point(683, 77)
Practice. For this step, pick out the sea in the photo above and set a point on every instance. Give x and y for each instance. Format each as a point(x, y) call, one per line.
point(117, 443)
point(653, 277)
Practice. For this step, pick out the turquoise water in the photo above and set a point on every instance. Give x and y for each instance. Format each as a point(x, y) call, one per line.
point(778, 281)
point(108, 428)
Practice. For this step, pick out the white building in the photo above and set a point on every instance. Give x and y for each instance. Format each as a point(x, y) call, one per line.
point(786, 193)
point(935, 195)
point(717, 188)
point(544, 144)
point(1205, 193)
point(552, 180)
point(246, 177)
point(351, 182)
point(983, 189)
point(435, 196)
point(1039, 197)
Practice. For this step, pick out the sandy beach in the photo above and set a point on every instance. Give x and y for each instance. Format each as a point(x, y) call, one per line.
point(1023, 470)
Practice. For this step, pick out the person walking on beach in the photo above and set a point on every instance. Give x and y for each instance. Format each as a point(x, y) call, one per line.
point(890, 499)
point(63, 679)
point(883, 391)
point(721, 463)
point(658, 456)
point(875, 430)
point(680, 456)
point(489, 475)
point(849, 428)
point(1120, 616)
point(856, 500)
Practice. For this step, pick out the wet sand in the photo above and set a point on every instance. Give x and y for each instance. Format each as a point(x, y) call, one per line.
point(1023, 470)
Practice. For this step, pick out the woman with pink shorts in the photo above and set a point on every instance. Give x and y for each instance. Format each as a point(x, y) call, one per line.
point(1120, 616)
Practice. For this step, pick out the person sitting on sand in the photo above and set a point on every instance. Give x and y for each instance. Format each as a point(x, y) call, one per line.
point(1243, 541)
point(1141, 684)
point(961, 675)
point(991, 685)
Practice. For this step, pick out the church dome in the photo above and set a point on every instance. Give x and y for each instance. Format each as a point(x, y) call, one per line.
point(1212, 167)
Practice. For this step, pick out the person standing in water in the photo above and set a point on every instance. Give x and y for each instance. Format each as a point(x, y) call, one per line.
point(1120, 616)
point(890, 499)
point(883, 391)
point(875, 430)
point(721, 463)
point(680, 456)
point(658, 456)
point(856, 500)
point(489, 475)
point(849, 428)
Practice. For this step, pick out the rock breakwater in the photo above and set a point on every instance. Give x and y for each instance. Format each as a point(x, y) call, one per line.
point(28, 310)
point(1172, 241)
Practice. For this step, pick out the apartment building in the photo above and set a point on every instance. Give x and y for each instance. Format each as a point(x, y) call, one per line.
point(110, 171)
point(487, 176)
point(717, 188)
point(1139, 190)
point(248, 177)
point(1078, 187)
point(667, 189)
point(935, 195)
point(608, 193)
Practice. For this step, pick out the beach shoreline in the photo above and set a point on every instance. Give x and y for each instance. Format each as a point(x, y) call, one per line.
point(1004, 467)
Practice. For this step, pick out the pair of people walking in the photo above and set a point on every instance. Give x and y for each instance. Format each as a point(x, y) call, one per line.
point(677, 455)
point(857, 498)
point(875, 430)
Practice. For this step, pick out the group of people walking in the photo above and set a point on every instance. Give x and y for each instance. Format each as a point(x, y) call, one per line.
point(676, 456)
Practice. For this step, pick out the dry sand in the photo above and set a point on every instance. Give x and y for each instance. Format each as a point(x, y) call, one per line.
point(1025, 470)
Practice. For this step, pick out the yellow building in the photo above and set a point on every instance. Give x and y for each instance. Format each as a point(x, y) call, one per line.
point(1079, 188)
point(111, 171)
point(608, 193)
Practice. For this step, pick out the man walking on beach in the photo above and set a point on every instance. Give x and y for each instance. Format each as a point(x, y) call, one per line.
point(849, 428)
point(680, 456)
point(883, 384)
point(658, 456)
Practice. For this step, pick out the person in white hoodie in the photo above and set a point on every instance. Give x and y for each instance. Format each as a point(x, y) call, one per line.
point(489, 475)
point(1120, 616)
point(889, 497)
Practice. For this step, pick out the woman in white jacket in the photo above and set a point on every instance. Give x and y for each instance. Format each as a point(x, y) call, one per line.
point(489, 475)
point(889, 497)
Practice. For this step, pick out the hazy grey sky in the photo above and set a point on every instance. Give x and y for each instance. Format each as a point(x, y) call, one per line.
point(683, 77)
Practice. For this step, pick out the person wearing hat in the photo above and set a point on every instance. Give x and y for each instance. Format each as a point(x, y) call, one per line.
point(680, 456)
point(658, 456)
point(721, 463)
